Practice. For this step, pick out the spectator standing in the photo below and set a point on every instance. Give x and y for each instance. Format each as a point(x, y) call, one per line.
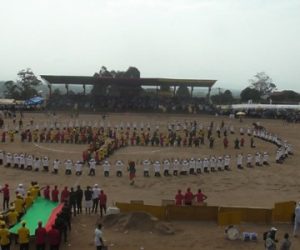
point(95, 197)
point(79, 196)
point(102, 201)
point(6, 197)
point(88, 199)
point(98, 237)
point(54, 238)
point(54, 194)
point(179, 198)
point(23, 236)
point(40, 237)
point(286, 243)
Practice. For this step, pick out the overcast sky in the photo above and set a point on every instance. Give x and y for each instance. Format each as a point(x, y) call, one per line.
point(226, 40)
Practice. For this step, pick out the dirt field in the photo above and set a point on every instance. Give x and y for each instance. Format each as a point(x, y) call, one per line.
point(257, 187)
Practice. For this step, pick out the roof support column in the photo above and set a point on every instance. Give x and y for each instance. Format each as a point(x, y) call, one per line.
point(174, 91)
point(67, 88)
point(192, 90)
point(50, 89)
point(208, 95)
point(83, 89)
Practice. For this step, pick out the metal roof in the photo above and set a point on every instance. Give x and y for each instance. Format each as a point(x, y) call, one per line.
point(90, 80)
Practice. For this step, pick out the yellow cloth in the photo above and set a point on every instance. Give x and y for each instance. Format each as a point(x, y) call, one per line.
point(4, 236)
point(19, 205)
point(12, 217)
point(23, 234)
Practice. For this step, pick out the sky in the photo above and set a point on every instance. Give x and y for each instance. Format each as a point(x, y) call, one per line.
point(226, 40)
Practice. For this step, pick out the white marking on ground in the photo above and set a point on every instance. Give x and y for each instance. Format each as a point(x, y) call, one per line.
point(56, 150)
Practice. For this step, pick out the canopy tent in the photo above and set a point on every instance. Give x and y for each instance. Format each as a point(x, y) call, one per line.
point(41, 210)
point(37, 100)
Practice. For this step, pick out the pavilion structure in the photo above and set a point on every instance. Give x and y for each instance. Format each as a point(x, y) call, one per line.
point(127, 82)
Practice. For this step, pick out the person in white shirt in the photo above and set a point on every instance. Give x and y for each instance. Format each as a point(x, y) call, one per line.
point(119, 168)
point(239, 161)
point(98, 237)
point(16, 161)
point(78, 168)
point(37, 164)
point(257, 159)
point(68, 167)
point(297, 219)
point(92, 166)
point(1, 157)
point(95, 197)
point(106, 168)
point(227, 162)
point(212, 163)
point(241, 131)
point(56, 164)
point(192, 166)
point(29, 162)
point(249, 161)
point(22, 161)
point(206, 165)
point(21, 190)
point(146, 166)
point(265, 158)
point(199, 165)
point(220, 163)
point(8, 159)
point(176, 164)
point(166, 167)
point(184, 167)
point(45, 164)
point(156, 167)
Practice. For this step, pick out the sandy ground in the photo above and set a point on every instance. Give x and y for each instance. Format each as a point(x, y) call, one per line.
point(257, 187)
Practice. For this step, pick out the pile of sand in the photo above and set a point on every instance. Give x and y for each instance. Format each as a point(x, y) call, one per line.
point(139, 221)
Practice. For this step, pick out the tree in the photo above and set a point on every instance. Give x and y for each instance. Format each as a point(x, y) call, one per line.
point(183, 91)
point(24, 88)
point(263, 83)
point(223, 98)
point(11, 90)
point(250, 94)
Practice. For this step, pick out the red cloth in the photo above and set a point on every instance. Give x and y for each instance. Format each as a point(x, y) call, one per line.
point(64, 195)
point(102, 198)
point(5, 191)
point(188, 197)
point(53, 216)
point(47, 193)
point(40, 235)
point(179, 199)
point(54, 194)
point(200, 197)
point(54, 237)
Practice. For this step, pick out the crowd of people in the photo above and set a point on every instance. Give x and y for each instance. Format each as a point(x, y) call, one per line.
point(188, 198)
point(72, 200)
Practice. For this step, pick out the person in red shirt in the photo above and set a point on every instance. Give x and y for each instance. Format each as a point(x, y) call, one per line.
point(54, 194)
point(179, 198)
point(225, 142)
point(54, 238)
point(40, 237)
point(102, 201)
point(64, 195)
point(6, 196)
point(188, 197)
point(47, 193)
point(200, 197)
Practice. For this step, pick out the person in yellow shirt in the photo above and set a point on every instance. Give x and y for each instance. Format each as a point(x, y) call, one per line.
point(19, 204)
point(28, 200)
point(23, 236)
point(4, 237)
point(12, 216)
point(2, 220)
point(34, 191)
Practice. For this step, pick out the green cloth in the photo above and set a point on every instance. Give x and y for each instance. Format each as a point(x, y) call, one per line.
point(40, 210)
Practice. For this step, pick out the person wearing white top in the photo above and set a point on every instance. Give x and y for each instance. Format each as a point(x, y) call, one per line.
point(176, 164)
point(212, 163)
point(220, 163)
point(92, 166)
point(297, 219)
point(16, 160)
point(156, 166)
point(249, 160)
point(106, 168)
point(36, 164)
point(29, 162)
point(98, 237)
point(227, 162)
point(146, 166)
point(257, 159)
point(45, 164)
point(95, 197)
point(8, 159)
point(265, 158)
point(184, 167)
point(119, 168)
point(1, 157)
point(199, 165)
point(68, 167)
point(166, 167)
point(22, 161)
point(56, 164)
point(78, 168)
point(241, 131)
point(192, 166)
point(206, 165)
point(21, 190)
point(239, 161)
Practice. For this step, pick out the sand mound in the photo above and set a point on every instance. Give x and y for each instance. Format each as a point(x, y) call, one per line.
point(139, 221)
